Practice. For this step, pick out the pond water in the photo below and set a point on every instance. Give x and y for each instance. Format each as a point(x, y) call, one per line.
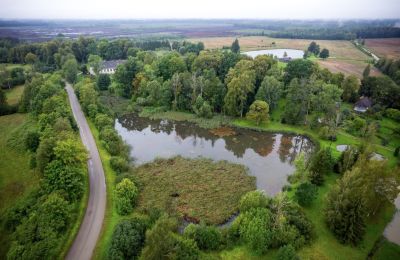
point(279, 53)
point(268, 156)
point(392, 230)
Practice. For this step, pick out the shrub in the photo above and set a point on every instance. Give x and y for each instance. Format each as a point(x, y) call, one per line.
point(393, 114)
point(32, 140)
point(185, 249)
point(119, 164)
point(306, 193)
point(206, 237)
point(255, 228)
point(112, 141)
point(321, 164)
point(103, 81)
point(287, 252)
point(127, 239)
point(125, 196)
point(253, 199)
point(102, 120)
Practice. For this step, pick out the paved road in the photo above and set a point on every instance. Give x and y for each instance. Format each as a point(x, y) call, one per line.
point(89, 231)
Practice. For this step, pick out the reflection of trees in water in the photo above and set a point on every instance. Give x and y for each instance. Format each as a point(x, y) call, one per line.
point(261, 143)
point(290, 146)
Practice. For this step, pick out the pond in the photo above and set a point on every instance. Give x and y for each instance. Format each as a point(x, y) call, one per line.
point(268, 156)
point(279, 53)
point(392, 230)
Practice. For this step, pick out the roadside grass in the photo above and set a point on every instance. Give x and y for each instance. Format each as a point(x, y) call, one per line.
point(16, 178)
point(193, 189)
point(111, 217)
point(14, 94)
point(387, 250)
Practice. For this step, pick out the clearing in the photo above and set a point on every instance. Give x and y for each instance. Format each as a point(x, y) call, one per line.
point(344, 56)
point(14, 94)
point(389, 47)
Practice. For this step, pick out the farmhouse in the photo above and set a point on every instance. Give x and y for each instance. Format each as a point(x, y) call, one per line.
point(109, 66)
point(362, 105)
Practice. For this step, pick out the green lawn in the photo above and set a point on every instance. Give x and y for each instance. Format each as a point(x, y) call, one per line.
point(16, 177)
point(14, 94)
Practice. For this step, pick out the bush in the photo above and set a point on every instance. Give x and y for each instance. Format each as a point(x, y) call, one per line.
point(287, 253)
point(253, 199)
point(125, 196)
point(306, 193)
point(206, 237)
point(127, 239)
point(393, 114)
point(32, 140)
point(119, 164)
point(112, 141)
point(102, 120)
point(321, 164)
point(184, 249)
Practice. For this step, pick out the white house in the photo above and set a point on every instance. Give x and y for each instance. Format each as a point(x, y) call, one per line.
point(109, 66)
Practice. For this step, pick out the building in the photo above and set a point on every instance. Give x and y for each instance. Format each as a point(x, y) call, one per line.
point(362, 105)
point(109, 66)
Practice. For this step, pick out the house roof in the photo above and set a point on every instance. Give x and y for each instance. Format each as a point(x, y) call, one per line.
point(111, 64)
point(364, 102)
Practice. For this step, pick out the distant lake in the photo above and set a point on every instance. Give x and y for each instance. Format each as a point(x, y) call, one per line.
point(292, 53)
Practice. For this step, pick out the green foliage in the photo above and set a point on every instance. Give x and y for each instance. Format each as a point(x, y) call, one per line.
point(270, 91)
point(393, 114)
point(103, 81)
point(125, 74)
point(253, 199)
point(170, 64)
point(206, 237)
point(112, 141)
point(347, 159)
point(287, 252)
point(32, 140)
point(235, 48)
point(119, 164)
point(125, 196)
point(258, 111)
point(313, 48)
point(306, 193)
point(70, 70)
point(254, 228)
point(324, 54)
point(184, 249)
point(127, 239)
point(300, 69)
point(350, 88)
point(94, 62)
point(202, 108)
point(321, 164)
point(298, 99)
point(102, 121)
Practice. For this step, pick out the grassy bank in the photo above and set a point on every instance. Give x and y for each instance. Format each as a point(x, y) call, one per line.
point(14, 94)
point(193, 189)
point(111, 217)
point(16, 178)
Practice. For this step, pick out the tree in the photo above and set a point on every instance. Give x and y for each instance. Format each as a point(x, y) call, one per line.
point(321, 165)
point(125, 196)
point(263, 63)
point(306, 193)
point(3, 102)
point(350, 87)
point(253, 199)
point(235, 48)
point(258, 111)
point(94, 62)
point(127, 239)
point(367, 71)
point(30, 58)
point(125, 74)
point(314, 48)
point(299, 68)
point(270, 91)
point(324, 53)
point(170, 64)
point(298, 100)
point(70, 70)
point(103, 81)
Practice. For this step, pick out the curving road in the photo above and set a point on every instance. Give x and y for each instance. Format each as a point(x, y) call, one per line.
point(89, 231)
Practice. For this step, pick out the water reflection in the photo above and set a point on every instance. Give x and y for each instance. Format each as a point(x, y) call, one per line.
point(268, 156)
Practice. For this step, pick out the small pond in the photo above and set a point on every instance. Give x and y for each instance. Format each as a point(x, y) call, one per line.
point(268, 156)
point(279, 53)
point(392, 230)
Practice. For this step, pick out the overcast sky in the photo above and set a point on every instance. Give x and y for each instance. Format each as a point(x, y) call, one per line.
point(137, 9)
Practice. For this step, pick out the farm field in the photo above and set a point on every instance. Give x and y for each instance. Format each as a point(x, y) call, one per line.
point(389, 47)
point(344, 57)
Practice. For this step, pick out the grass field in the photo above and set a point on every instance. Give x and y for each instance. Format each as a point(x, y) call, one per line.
point(389, 47)
point(344, 57)
point(16, 177)
point(14, 94)
point(193, 189)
